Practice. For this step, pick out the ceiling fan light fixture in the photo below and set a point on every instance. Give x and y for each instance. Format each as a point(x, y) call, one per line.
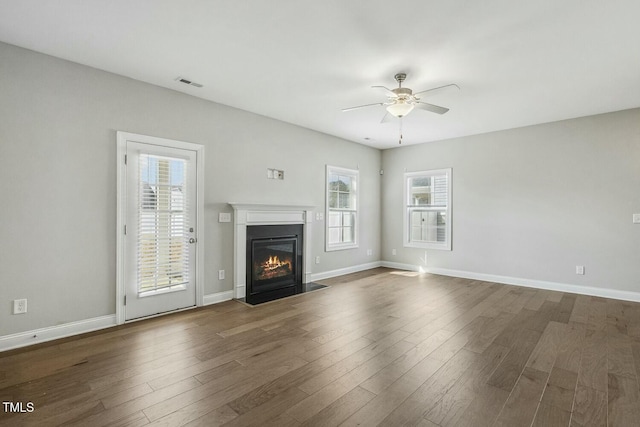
point(400, 108)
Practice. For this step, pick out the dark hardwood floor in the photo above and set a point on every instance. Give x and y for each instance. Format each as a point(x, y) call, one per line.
point(380, 347)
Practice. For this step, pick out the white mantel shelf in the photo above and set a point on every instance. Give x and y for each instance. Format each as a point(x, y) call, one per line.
point(267, 207)
point(246, 214)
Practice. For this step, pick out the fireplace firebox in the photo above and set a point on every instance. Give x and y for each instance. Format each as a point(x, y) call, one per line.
point(274, 262)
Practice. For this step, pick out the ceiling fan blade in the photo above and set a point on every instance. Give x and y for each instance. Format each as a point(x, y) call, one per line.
point(386, 118)
point(362, 106)
point(433, 108)
point(386, 89)
point(437, 90)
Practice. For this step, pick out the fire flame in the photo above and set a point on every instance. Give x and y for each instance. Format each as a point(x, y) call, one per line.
point(274, 262)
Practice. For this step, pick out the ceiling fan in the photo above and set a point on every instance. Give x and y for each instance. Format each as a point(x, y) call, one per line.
point(401, 100)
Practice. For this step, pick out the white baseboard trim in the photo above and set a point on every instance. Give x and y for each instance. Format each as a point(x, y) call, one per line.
point(343, 271)
point(217, 297)
point(400, 266)
point(36, 336)
point(529, 283)
point(23, 339)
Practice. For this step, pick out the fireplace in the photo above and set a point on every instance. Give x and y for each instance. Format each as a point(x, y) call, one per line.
point(274, 261)
point(248, 215)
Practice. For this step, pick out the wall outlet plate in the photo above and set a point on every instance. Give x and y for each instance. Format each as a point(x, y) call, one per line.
point(19, 306)
point(579, 269)
point(220, 274)
point(275, 174)
point(636, 218)
point(317, 260)
point(224, 217)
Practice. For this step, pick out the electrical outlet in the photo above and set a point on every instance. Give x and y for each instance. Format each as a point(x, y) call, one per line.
point(224, 217)
point(19, 306)
point(579, 269)
point(636, 218)
point(393, 252)
point(220, 274)
point(317, 260)
point(369, 252)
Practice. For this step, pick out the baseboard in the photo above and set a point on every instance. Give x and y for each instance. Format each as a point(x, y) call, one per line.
point(217, 297)
point(36, 336)
point(342, 271)
point(529, 283)
point(400, 266)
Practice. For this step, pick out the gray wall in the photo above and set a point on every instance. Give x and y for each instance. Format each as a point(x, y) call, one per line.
point(58, 123)
point(533, 202)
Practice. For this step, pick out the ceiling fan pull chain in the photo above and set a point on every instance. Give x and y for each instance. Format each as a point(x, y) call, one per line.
point(400, 139)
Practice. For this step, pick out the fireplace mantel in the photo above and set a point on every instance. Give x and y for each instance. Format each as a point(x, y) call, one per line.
point(246, 214)
point(269, 207)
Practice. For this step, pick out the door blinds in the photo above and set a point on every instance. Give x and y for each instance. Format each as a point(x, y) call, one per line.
point(163, 224)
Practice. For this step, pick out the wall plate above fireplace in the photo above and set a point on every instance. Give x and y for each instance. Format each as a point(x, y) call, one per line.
point(275, 174)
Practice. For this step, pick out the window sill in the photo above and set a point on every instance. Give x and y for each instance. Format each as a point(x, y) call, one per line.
point(333, 248)
point(438, 246)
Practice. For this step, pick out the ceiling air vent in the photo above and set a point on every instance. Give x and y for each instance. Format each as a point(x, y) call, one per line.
point(187, 82)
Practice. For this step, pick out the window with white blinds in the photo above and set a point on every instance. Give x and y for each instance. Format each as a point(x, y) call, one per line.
point(427, 221)
point(163, 228)
point(341, 208)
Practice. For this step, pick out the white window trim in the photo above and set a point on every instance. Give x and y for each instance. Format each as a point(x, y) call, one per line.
point(446, 245)
point(342, 246)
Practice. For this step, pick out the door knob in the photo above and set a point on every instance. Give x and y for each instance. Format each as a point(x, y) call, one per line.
point(192, 240)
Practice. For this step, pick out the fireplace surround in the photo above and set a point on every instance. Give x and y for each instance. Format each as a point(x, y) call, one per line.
point(247, 215)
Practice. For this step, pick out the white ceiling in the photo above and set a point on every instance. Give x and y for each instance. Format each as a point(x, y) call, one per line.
point(517, 62)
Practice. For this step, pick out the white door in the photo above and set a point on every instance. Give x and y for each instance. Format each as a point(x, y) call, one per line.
point(160, 238)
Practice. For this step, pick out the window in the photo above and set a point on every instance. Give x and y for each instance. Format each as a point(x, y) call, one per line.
point(342, 209)
point(163, 224)
point(427, 219)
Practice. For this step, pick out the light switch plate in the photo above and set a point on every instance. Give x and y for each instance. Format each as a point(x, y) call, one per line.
point(224, 217)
